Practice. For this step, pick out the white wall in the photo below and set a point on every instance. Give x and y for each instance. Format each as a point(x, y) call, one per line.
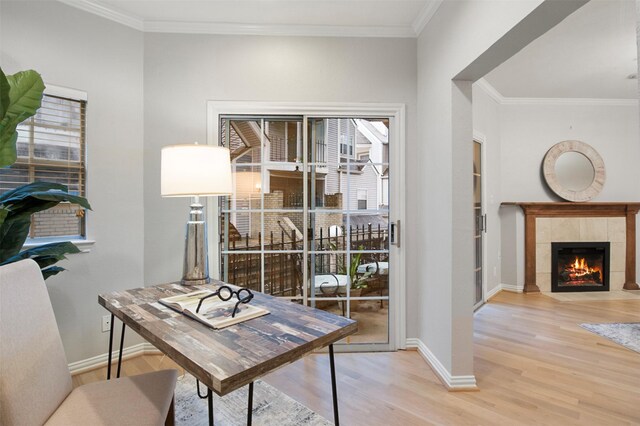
point(182, 72)
point(74, 49)
point(529, 131)
point(439, 175)
point(486, 126)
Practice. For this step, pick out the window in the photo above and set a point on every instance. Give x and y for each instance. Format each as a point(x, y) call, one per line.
point(51, 147)
point(362, 199)
point(346, 145)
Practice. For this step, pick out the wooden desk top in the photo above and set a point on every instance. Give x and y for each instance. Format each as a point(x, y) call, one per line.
point(227, 359)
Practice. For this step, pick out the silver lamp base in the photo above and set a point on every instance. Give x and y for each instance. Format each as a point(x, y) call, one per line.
point(195, 269)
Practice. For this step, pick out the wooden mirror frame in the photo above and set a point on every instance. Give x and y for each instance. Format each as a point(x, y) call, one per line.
point(549, 170)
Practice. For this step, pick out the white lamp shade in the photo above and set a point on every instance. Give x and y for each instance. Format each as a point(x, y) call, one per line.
point(190, 170)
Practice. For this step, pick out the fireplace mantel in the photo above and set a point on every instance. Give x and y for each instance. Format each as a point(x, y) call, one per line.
point(534, 210)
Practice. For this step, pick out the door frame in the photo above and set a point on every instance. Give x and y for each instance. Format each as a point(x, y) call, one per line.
point(397, 132)
point(482, 140)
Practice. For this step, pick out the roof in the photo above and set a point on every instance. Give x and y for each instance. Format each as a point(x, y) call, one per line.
point(366, 219)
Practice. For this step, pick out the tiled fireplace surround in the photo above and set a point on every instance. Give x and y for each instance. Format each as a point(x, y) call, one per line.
point(579, 222)
point(580, 229)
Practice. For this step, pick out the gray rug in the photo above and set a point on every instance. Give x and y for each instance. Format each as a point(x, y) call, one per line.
point(625, 334)
point(270, 407)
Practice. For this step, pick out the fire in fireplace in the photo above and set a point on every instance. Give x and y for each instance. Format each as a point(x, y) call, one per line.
point(580, 266)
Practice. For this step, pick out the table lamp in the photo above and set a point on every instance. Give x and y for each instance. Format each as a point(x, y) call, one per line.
point(196, 171)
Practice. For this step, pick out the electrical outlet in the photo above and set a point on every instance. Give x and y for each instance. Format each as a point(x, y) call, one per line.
point(106, 323)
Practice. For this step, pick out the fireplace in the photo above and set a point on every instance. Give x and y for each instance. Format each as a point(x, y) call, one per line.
point(580, 266)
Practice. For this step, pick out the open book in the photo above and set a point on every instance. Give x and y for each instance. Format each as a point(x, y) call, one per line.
point(214, 312)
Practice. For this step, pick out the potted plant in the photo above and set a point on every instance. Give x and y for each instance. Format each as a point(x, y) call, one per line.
point(358, 281)
point(20, 98)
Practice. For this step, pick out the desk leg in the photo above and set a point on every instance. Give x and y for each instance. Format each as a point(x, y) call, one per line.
point(250, 408)
point(110, 349)
point(121, 345)
point(210, 403)
point(336, 417)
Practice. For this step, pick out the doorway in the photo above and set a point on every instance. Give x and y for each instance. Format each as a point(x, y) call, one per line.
point(480, 220)
point(295, 226)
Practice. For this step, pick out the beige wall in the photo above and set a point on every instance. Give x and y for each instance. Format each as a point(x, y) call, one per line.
point(74, 49)
point(182, 72)
point(458, 34)
point(528, 131)
point(464, 40)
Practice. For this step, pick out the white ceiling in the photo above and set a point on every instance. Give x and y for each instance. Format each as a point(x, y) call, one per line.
point(588, 55)
point(366, 18)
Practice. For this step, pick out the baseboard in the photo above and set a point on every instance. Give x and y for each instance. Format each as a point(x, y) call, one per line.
point(452, 383)
point(497, 289)
point(100, 361)
point(512, 288)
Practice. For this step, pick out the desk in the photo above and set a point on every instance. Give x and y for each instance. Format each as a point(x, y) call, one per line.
point(225, 360)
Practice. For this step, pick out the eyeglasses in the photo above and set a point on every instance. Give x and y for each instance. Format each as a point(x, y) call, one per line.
point(225, 293)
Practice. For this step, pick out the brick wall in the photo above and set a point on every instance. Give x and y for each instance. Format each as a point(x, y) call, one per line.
point(274, 200)
point(57, 221)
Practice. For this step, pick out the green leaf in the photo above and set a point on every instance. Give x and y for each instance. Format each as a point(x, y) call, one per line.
point(21, 203)
point(38, 201)
point(13, 234)
point(49, 272)
point(59, 196)
point(8, 153)
point(46, 254)
point(4, 94)
point(25, 97)
point(26, 93)
point(32, 187)
point(3, 214)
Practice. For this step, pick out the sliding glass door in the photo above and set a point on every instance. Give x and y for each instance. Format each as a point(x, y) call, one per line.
point(309, 217)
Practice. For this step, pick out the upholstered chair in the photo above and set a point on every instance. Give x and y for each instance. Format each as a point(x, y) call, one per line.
point(35, 384)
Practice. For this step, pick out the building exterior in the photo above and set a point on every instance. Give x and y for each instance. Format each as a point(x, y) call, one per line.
point(347, 165)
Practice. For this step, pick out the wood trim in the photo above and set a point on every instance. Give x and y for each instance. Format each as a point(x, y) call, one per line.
point(530, 285)
point(577, 209)
point(630, 267)
point(532, 211)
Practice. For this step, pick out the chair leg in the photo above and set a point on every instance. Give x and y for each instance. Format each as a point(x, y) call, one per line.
point(171, 415)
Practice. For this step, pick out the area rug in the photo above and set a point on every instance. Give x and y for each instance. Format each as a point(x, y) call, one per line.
point(625, 334)
point(270, 407)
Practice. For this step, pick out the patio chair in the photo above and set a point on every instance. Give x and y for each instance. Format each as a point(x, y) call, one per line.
point(35, 383)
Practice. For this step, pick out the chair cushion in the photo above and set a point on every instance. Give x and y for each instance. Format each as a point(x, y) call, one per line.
point(134, 400)
point(34, 376)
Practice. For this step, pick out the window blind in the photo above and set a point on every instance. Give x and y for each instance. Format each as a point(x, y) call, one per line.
point(51, 148)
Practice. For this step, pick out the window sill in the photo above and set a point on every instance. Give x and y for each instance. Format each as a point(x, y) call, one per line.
point(84, 245)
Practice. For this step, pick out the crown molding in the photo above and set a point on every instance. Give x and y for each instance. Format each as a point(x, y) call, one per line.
point(135, 22)
point(277, 30)
point(426, 13)
point(571, 101)
point(490, 90)
point(109, 13)
point(493, 93)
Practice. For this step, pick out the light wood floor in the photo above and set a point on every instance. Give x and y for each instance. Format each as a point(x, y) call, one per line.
point(533, 363)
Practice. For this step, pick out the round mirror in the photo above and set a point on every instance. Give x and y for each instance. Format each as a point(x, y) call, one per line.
point(574, 171)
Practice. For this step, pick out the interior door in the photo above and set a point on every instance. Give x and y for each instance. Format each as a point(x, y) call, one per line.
point(480, 223)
